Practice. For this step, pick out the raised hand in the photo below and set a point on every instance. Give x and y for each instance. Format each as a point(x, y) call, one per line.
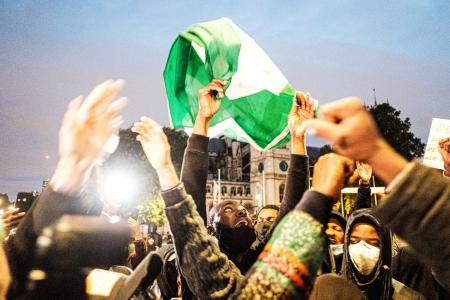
point(208, 105)
point(134, 225)
point(87, 126)
point(157, 149)
point(353, 133)
point(302, 109)
point(364, 172)
point(154, 142)
point(330, 173)
point(207, 102)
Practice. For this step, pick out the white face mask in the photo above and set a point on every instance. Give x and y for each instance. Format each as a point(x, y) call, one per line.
point(337, 249)
point(364, 256)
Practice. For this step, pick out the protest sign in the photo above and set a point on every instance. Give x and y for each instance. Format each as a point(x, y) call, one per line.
point(440, 128)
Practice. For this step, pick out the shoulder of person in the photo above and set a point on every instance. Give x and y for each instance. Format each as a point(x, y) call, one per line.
point(402, 292)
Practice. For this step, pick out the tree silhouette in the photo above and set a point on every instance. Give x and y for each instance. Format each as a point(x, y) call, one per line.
point(397, 131)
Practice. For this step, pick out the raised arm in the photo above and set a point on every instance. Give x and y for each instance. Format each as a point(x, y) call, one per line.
point(194, 172)
point(87, 126)
point(297, 181)
point(418, 207)
point(287, 266)
point(364, 198)
point(208, 272)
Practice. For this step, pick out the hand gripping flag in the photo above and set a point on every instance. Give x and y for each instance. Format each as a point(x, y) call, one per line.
point(257, 98)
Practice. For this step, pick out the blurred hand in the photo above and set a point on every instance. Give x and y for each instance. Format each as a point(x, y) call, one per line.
point(134, 225)
point(207, 102)
point(154, 142)
point(444, 150)
point(364, 171)
point(12, 218)
point(87, 126)
point(330, 173)
point(353, 133)
point(348, 127)
point(302, 109)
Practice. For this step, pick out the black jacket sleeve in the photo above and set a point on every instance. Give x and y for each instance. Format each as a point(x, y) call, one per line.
point(194, 172)
point(297, 183)
point(363, 199)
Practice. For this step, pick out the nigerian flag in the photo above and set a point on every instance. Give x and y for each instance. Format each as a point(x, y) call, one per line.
point(257, 98)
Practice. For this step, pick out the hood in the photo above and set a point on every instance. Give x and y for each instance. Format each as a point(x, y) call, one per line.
point(167, 279)
point(342, 221)
point(380, 279)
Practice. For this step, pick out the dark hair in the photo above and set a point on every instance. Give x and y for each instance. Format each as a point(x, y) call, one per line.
point(270, 206)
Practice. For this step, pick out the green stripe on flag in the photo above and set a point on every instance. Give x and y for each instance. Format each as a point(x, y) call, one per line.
point(212, 50)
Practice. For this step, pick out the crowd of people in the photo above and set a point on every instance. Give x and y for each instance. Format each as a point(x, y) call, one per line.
point(301, 249)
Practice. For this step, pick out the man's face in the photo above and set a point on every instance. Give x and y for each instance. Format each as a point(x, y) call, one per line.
point(267, 215)
point(365, 232)
point(335, 232)
point(231, 214)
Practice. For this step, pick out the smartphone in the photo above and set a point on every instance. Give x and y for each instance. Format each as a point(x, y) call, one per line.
point(24, 201)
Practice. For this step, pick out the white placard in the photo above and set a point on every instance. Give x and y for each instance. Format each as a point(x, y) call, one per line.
point(440, 128)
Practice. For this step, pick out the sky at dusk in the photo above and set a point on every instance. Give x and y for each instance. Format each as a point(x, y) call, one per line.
point(53, 51)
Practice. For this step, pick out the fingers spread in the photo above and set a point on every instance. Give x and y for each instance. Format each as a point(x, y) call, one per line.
point(102, 95)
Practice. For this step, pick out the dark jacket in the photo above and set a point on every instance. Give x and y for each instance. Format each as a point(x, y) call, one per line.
point(20, 247)
point(194, 176)
point(409, 269)
point(418, 210)
point(378, 285)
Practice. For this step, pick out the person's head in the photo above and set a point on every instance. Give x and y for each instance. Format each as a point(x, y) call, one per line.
point(335, 229)
point(367, 250)
point(228, 214)
point(230, 223)
point(268, 213)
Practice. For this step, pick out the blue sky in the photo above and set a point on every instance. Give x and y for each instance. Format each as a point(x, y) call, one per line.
point(53, 51)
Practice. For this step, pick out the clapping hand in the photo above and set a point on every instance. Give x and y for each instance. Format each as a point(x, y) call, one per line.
point(87, 125)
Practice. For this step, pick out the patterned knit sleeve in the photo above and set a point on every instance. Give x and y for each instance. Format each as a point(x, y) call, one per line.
point(288, 264)
point(208, 272)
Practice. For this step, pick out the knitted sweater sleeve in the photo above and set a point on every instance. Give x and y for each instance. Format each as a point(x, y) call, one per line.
point(208, 272)
point(288, 264)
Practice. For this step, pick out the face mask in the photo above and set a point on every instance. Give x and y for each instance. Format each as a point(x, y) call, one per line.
point(262, 229)
point(364, 257)
point(337, 249)
point(236, 240)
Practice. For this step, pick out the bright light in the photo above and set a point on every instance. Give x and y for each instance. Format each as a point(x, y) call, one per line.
point(119, 186)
